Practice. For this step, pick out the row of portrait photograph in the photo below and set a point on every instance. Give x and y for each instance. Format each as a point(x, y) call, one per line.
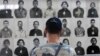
point(47, 9)
point(26, 46)
point(36, 27)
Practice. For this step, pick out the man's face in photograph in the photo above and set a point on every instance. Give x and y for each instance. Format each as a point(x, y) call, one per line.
point(79, 44)
point(6, 24)
point(5, 2)
point(78, 4)
point(36, 43)
point(49, 4)
point(35, 3)
point(6, 44)
point(64, 23)
point(94, 41)
point(21, 5)
point(20, 24)
point(79, 23)
point(92, 23)
point(36, 24)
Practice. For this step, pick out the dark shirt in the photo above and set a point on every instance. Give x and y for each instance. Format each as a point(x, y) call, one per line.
point(36, 13)
point(20, 13)
point(92, 12)
point(78, 12)
point(21, 51)
point(6, 13)
point(79, 51)
point(66, 32)
point(93, 49)
point(6, 52)
point(92, 31)
point(36, 32)
point(63, 13)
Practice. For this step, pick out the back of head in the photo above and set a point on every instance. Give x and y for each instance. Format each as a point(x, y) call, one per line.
point(53, 25)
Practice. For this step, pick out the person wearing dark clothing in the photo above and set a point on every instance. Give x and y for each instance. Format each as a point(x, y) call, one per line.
point(21, 50)
point(79, 50)
point(92, 12)
point(35, 31)
point(65, 30)
point(20, 12)
point(66, 41)
point(93, 49)
point(92, 31)
point(5, 13)
point(64, 12)
point(6, 51)
point(35, 12)
point(78, 12)
point(36, 42)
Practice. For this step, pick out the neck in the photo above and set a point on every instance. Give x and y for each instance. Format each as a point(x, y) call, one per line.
point(20, 28)
point(92, 25)
point(79, 26)
point(53, 38)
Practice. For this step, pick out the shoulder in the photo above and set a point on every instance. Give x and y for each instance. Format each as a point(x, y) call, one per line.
point(32, 30)
point(39, 9)
point(60, 10)
point(31, 9)
point(16, 10)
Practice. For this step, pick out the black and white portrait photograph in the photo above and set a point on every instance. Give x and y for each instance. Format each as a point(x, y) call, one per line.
point(21, 12)
point(79, 30)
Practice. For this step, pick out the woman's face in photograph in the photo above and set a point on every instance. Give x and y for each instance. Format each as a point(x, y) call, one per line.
point(21, 44)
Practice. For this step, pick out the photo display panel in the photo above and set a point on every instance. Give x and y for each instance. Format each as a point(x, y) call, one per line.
point(23, 22)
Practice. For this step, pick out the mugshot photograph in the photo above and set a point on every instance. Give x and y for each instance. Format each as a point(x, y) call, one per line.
point(21, 11)
point(64, 12)
point(36, 31)
point(36, 43)
point(66, 41)
point(35, 12)
point(6, 51)
point(20, 32)
point(5, 13)
point(21, 50)
point(78, 12)
point(93, 48)
point(79, 49)
point(6, 32)
point(92, 31)
point(79, 31)
point(50, 12)
point(65, 30)
point(92, 12)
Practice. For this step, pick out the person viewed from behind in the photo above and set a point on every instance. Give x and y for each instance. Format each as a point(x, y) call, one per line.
point(54, 47)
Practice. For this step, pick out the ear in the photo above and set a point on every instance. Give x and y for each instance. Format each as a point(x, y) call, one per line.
point(45, 32)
